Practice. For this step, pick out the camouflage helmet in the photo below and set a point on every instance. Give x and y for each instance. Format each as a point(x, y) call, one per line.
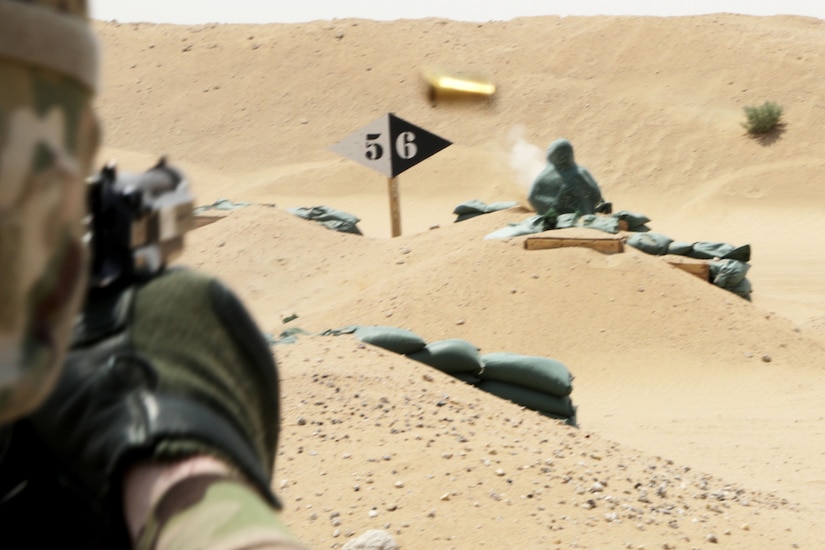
point(50, 34)
point(48, 137)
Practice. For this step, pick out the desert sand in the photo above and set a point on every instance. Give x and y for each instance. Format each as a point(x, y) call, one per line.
point(701, 418)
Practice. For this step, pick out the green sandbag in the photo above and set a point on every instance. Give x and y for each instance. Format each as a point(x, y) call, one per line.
point(569, 420)
point(500, 205)
point(342, 226)
point(538, 373)
point(467, 378)
point(533, 224)
point(476, 206)
point(468, 216)
point(531, 399)
point(741, 253)
point(220, 204)
point(634, 220)
point(652, 243)
point(473, 206)
point(329, 218)
point(394, 339)
point(704, 250)
point(728, 273)
point(568, 219)
point(743, 289)
point(608, 224)
point(451, 356)
point(680, 248)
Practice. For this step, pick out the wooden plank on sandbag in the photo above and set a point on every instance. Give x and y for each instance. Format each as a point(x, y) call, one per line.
point(700, 268)
point(609, 244)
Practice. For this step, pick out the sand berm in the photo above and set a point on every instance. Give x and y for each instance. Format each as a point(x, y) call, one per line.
point(701, 415)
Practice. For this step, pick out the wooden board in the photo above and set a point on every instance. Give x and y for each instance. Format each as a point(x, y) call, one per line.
point(609, 244)
point(700, 268)
point(202, 220)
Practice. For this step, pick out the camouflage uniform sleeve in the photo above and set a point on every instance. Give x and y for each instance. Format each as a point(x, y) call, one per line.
point(214, 512)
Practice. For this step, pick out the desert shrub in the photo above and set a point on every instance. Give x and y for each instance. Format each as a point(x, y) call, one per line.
point(762, 119)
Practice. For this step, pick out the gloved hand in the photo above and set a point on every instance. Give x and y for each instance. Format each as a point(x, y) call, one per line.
point(170, 368)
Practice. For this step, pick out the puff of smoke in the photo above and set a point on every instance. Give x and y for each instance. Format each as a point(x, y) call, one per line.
point(526, 160)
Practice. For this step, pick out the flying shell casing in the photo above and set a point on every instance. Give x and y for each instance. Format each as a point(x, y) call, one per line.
point(442, 83)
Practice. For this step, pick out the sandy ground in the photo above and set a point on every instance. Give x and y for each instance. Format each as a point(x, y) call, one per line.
point(701, 417)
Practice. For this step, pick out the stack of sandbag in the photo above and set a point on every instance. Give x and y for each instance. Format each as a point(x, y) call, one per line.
point(728, 264)
point(454, 356)
point(537, 383)
point(394, 339)
point(609, 223)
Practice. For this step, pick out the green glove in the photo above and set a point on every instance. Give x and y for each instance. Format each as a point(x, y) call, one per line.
point(167, 369)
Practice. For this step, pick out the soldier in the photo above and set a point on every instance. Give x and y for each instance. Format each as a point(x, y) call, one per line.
point(564, 187)
point(162, 417)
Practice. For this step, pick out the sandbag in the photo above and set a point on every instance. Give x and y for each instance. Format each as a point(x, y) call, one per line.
point(500, 205)
point(329, 218)
point(704, 250)
point(533, 224)
point(472, 208)
point(633, 220)
point(220, 204)
point(743, 289)
point(452, 355)
point(569, 420)
point(650, 242)
point(728, 273)
point(394, 339)
point(566, 220)
point(467, 378)
point(538, 373)
point(741, 253)
point(531, 399)
point(680, 248)
point(608, 224)
point(469, 209)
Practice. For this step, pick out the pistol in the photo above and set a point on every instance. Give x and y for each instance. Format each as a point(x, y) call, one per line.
point(136, 224)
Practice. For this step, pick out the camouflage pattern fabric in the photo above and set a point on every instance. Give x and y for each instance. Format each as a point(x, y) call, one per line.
point(213, 511)
point(48, 136)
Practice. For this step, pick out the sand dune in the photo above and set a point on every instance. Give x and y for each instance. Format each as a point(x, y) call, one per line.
point(701, 418)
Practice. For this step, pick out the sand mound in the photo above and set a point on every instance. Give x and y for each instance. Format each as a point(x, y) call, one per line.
point(700, 413)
